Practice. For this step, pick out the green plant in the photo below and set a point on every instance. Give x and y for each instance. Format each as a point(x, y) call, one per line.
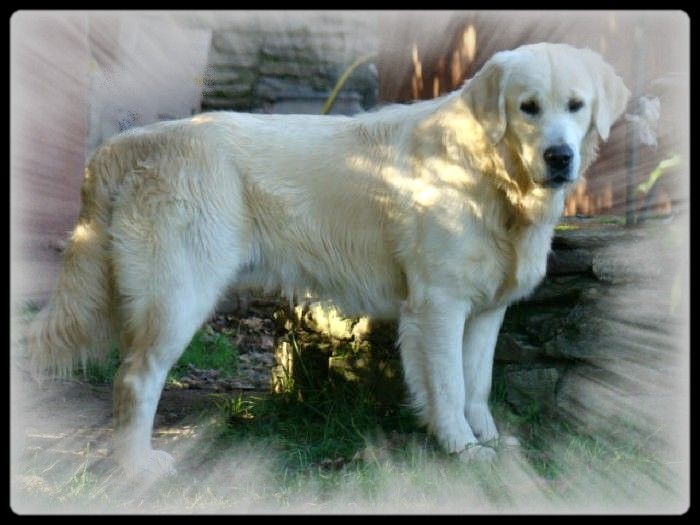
point(341, 81)
point(565, 227)
point(208, 350)
point(102, 371)
point(663, 166)
point(310, 427)
point(83, 479)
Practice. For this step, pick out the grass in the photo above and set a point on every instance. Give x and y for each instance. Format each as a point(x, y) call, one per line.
point(597, 219)
point(309, 429)
point(99, 372)
point(338, 435)
point(208, 350)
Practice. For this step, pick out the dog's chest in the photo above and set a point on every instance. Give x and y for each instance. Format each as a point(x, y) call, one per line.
point(495, 270)
point(528, 264)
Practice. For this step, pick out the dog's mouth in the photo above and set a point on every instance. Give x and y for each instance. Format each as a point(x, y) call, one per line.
point(557, 178)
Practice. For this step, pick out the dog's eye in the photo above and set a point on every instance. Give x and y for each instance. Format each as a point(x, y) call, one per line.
point(530, 107)
point(575, 105)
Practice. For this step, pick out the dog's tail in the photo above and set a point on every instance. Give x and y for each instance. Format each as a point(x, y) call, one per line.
point(77, 323)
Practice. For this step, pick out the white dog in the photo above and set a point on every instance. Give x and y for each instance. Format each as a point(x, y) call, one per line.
point(438, 213)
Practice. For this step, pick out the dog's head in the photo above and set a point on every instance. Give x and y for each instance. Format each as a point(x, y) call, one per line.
point(546, 101)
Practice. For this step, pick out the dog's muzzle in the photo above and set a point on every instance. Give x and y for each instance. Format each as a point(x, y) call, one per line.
point(559, 160)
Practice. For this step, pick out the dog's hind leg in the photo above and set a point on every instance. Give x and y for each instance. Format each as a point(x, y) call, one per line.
point(148, 353)
point(169, 275)
point(157, 329)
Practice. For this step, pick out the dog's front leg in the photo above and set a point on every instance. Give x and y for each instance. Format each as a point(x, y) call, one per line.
point(480, 335)
point(431, 334)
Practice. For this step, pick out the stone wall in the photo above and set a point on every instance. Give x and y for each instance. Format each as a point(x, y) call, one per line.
point(290, 65)
point(596, 327)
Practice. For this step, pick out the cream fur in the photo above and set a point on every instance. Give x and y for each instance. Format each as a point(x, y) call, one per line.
point(434, 213)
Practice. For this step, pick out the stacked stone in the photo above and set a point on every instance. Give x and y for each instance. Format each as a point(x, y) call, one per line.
point(604, 309)
point(290, 66)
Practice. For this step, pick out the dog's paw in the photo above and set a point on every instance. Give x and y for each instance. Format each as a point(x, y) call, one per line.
point(482, 423)
point(508, 441)
point(476, 452)
point(149, 466)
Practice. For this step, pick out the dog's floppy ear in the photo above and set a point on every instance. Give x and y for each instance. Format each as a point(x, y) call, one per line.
point(485, 97)
point(611, 96)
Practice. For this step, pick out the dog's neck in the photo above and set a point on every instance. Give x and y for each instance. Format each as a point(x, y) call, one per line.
point(461, 139)
point(531, 203)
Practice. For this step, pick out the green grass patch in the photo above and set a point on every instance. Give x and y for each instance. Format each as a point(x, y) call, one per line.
point(610, 219)
point(99, 372)
point(207, 350)
point(565, 225)
point(315, 427)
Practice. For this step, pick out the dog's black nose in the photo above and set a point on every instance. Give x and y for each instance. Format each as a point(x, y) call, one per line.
point(558, 158)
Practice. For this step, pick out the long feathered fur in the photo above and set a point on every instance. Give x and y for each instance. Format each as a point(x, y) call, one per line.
point(78, 322)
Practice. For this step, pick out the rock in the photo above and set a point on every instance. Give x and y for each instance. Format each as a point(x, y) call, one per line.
point(345, 105)
point(538, 322)
point(233, 302)
point(283, 371)
point(302, 70)
point(309, 47)
point(273, 89)
point(267, 342)
point(227, 75)
point(240, 58)
point(627, 263)
point(562, 288)
point(592, 237)
point(238, 42)
point(227, 91)
point(584, 333)
point(531, 387)
point(239, 103)
point(361, 329)
point(562, 262)
point(515, 348)
point(327, 343)
point(327, 320)
point(599, 398)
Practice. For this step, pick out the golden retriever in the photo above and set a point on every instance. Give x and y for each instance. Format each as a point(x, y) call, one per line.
point(438, 213)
